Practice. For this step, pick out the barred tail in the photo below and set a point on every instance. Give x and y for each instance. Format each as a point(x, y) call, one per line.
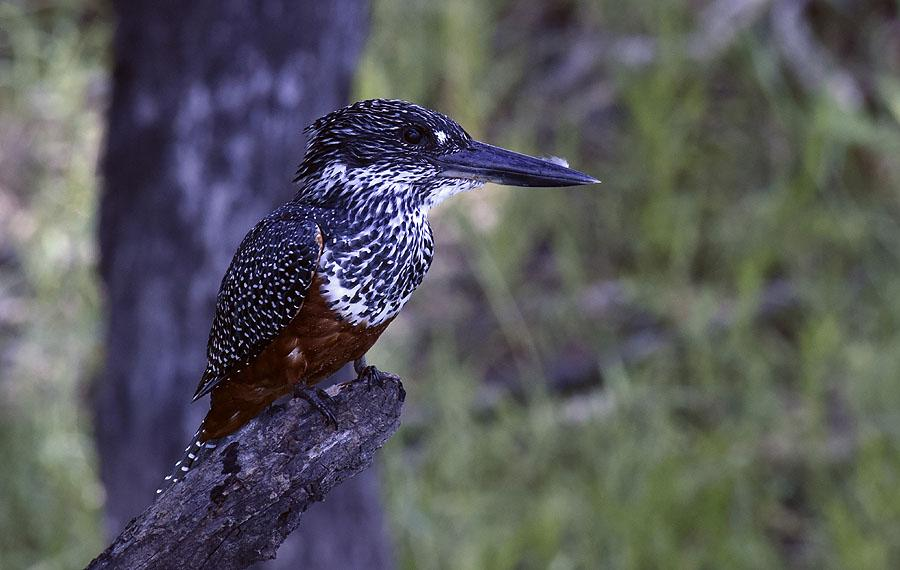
point(191, 454)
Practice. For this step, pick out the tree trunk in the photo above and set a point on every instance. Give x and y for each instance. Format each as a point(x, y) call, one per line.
point(205, 129)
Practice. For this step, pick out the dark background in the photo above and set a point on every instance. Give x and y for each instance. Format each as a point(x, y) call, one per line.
point(693, 364)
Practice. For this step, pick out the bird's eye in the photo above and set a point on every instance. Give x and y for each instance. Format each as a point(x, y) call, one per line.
point(413, 135)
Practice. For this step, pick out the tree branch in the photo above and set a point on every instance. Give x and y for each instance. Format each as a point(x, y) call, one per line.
point(243, 499)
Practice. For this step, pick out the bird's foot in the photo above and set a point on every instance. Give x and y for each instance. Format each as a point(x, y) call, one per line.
point(369, 374)
point(319, 400)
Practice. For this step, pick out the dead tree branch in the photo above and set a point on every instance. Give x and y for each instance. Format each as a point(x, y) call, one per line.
point(247, 495)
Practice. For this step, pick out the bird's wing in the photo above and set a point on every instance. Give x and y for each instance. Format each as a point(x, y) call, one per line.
point(263, 289)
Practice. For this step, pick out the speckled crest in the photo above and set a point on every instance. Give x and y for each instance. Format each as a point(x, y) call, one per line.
point(369, 132)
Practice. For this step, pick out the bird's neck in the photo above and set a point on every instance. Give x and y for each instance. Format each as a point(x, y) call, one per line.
point(362, 192)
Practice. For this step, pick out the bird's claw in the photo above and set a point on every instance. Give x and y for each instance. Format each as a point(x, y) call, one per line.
point(320, 400)
point(372, 377)
point(369, 374)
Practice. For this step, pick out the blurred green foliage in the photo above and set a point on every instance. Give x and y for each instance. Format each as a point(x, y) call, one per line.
point(51, 63)
point(735, 277)
point(730, 293)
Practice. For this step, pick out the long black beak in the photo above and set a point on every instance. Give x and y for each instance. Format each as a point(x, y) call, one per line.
point(489, 163)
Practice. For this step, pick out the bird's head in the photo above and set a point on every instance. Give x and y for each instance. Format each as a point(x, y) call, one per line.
point(392, 150)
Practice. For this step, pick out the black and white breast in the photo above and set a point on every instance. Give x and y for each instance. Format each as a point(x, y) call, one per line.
point(367, 277)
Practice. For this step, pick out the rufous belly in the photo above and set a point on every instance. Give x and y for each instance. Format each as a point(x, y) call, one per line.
point(316, 344)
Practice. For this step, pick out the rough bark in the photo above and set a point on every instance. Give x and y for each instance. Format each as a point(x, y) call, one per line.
point(241, 501)
point(209, 99)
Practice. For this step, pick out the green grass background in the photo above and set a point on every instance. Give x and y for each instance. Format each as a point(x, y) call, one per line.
point(732, 288)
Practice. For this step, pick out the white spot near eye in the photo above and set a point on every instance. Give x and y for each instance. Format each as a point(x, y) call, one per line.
point(441, 136)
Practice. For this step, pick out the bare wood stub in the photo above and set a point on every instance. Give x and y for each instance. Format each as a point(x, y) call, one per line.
point(238, 504)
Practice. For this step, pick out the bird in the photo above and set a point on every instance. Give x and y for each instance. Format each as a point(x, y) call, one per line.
point(315, 283)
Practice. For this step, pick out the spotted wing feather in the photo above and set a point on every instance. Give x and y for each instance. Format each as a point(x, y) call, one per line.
point(262, 291)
